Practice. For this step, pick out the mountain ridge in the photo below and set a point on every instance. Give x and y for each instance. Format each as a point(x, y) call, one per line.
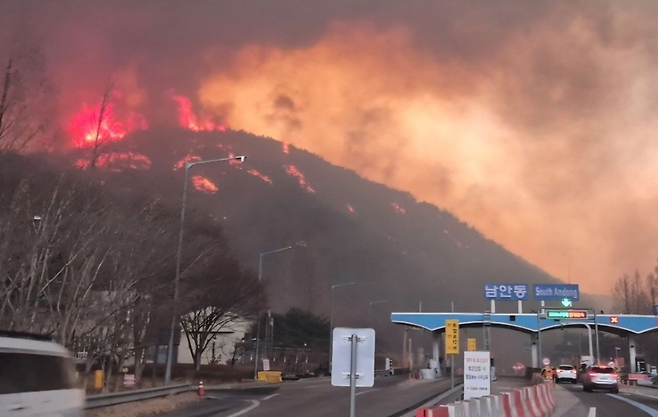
point(355, 229)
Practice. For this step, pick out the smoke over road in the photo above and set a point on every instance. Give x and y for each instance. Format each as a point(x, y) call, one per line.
point(532, 121)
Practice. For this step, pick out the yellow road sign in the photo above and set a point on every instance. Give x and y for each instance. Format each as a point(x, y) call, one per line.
point(452, 337)
point(472, 344)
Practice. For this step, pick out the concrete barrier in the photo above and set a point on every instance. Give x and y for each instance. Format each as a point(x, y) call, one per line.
point(440, 411)
point(271, 377)
point(533, 401)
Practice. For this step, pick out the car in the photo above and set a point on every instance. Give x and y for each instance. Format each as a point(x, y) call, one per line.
point(566, 373)
point(37, 378)
point(601, 377)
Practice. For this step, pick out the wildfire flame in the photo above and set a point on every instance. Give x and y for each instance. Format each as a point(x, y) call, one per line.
point(188, 158)
point(87, 127)
point(261, 176)
point(187, 118)
point(295, 173)
point(235, 162)
point(286, 147)
point(398, 209)
point(350, 208)
point(204, 185)
point(117, 161)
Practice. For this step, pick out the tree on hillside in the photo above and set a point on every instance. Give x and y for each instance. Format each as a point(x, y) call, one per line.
point(26, 99)
point(100, 123)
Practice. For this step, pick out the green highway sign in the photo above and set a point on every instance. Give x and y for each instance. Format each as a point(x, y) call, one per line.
point(567, 314)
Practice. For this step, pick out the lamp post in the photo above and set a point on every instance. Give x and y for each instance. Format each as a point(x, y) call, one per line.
point(260, 277)
point(174, 317)
point(372, 303)
point(331, 317)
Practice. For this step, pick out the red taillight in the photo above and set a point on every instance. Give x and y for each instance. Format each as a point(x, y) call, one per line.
point(615, 376)
point(591, 373)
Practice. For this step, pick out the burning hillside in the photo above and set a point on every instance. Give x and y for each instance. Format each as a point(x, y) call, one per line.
point(451, 102)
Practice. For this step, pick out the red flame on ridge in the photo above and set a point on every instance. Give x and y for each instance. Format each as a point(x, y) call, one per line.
point(188, 158)
point(116, 161)
point(85, 129)
point(263, 177)
point(351, 208)
point(295, 173)
point(187, 118)
point(203, 184)
point(398, 209)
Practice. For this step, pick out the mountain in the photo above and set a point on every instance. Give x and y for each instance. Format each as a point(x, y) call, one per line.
point(353, 230)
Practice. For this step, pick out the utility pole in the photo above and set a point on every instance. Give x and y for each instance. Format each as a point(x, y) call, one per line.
point(174, 316)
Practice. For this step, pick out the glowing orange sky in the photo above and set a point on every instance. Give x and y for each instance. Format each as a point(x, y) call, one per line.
point(367, 100)
point(533, 121)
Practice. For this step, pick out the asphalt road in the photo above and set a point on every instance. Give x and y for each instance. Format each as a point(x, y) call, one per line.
point(603, 404)
point(316, 397)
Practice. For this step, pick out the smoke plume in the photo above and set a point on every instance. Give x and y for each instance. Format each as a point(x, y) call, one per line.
point(533, 121)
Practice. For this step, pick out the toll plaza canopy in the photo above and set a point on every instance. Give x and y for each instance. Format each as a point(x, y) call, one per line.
point(622, 324)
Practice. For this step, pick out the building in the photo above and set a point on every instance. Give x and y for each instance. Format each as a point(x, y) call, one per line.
point(226, 344)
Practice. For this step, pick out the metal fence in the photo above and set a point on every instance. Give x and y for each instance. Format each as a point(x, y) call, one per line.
point(104, 400)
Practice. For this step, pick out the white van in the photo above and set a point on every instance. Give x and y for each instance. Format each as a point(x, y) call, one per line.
point(37, 378)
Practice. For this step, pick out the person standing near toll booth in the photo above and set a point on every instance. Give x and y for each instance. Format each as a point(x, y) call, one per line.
point(547, 372)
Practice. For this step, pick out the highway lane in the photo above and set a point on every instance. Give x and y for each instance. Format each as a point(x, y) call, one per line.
point(603, 404)
point(318, 398)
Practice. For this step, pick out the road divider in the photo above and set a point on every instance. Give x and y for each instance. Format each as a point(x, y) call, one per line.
point(104, 400)
point(533, 401)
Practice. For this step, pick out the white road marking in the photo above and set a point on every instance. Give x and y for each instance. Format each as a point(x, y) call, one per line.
point(592, 412)
point(648, 410)
point(269, 396)
point(638, 393)
point(253, 405)
point(365, 392)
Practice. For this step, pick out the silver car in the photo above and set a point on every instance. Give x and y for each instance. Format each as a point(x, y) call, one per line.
point(565, 373)
point(601, 377)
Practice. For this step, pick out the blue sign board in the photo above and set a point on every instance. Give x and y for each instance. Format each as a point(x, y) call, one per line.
point(555, 292)
point(508, 292)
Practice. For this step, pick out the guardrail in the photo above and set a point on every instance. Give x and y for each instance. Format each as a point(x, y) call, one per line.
point(105, 400)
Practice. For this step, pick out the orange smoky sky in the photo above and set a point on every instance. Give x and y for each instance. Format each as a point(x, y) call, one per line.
point(568, 182)
point(532, 121)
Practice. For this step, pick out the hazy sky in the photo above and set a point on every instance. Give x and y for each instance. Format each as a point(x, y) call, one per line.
point(533, 121)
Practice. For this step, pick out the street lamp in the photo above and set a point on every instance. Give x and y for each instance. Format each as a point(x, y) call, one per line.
point(260, 277)
point(331, 317)
point(372, 303)
point(172, 328)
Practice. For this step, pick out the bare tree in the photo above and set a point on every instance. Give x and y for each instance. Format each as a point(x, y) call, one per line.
point(92, 269)
point(26, 98)
point(623, 294)
point(234, 350)
point(652, 290)
point(216, 301)
point(101, 131)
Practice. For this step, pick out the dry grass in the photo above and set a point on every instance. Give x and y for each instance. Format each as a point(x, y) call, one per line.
point(146, 408)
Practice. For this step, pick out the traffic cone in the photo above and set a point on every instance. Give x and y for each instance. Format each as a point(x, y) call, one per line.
point(201, 390)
